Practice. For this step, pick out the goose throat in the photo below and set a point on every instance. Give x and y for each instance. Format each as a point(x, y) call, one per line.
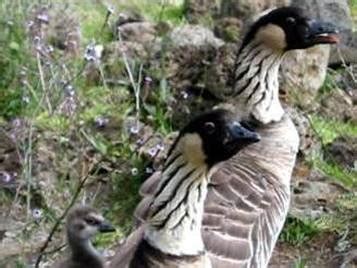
point(256, 85)
point(174, 224)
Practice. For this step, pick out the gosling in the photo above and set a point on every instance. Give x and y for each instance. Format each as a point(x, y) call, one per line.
point(82, 224)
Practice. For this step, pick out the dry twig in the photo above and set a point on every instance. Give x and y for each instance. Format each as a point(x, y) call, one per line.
point(62, 217)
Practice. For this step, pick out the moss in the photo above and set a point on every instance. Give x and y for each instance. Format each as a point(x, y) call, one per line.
point(329, 129)
point(56, 123)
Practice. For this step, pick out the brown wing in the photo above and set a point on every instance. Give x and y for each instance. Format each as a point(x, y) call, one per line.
point(247, 199)
point(242, 217)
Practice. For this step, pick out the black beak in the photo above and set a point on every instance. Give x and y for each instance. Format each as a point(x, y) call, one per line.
point(239, 133)
point(323, 32)
point(106, 227)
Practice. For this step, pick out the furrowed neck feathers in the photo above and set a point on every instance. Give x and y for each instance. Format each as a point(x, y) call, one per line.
point(256, 85)
point(174, 224)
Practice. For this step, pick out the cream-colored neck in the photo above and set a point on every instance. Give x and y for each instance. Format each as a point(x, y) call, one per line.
point(255, 92)
point(174, 225)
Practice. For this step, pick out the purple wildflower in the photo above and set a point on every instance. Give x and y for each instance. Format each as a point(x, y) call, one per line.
point(37, 213)
point(134, 171)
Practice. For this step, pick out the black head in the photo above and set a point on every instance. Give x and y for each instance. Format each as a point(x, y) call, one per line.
point(289, 28)
point(84, 222)
point(214, 137)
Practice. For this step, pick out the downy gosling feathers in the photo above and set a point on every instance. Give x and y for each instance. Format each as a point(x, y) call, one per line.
point(82, 224)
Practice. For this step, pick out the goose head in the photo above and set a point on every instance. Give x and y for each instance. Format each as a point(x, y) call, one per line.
point(85, 222)
point(214, 137)
point(289, 28)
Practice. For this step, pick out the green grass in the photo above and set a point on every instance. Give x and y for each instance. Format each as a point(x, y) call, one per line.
point(336, 172)
point(14, 54)
point(329, 129)
point(329, 84)
point(156, 10)
point(353, 5)
point(296, 232)
point(92, 18)
point(300, 263)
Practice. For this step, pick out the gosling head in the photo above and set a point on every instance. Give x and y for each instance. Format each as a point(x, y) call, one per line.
point(289, 28)
point(85, 222)
point(214, 137)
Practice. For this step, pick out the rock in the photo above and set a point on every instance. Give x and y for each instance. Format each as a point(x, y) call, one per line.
point(347, 47)
point(189, 52)
point(194, 36)
point(339, 105)
point(55, 26)
point(333, 11)
point(128, 16)
point(347, 80)
point(349, 259)
point(338, 13)
point(308, 142)
point(303, 72)
point(228, 29)
point(197, 66)
point(139, 32)
point(113, 62)
point(199, 11)
point(343, 151)
point(243, 9)
point(10, 159)
point(219, 71)
point(314, 196)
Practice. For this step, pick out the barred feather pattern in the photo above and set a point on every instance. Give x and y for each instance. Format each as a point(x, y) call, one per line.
point(175, 217)
point(171, 237)
point(256, 89)
point(248, 197)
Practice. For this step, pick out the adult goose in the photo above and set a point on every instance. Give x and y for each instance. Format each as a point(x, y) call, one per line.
point(248, 196)
point(82, 224)
point(172, 235)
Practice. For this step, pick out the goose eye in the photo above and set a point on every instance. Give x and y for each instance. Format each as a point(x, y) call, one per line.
point(210, 127)
point(291, 20)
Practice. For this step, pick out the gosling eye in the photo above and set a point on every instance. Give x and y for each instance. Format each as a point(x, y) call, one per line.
point(210, 127)
point(291, 20)
point(91, 221)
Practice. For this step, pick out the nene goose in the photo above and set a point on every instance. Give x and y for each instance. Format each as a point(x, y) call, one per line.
point(82, 224)
point(248, 196)
point(172, 235)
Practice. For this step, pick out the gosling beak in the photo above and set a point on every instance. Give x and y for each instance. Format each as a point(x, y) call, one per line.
point(106, 227)
point(323, 33)
point(242, 133)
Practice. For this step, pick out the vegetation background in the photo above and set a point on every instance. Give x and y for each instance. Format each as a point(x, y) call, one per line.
point(86, 114)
